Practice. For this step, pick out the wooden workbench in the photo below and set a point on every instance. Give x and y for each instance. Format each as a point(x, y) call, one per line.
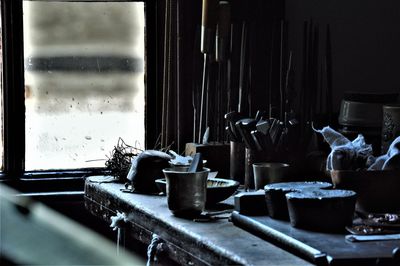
point(216, 242)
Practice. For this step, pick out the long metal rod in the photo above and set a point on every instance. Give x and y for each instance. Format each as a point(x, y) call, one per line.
point(194, 115)
point(281, 105)
point(196, 84)
point(270, 72)
point(315, 255)
point(165, 78)
point(328, 61)
point(203, 92)
point(178, 81)
point(207, 96)
point(242, 68)
point(288, 98)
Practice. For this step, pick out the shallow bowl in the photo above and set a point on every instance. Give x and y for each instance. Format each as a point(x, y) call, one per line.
point(218, 189)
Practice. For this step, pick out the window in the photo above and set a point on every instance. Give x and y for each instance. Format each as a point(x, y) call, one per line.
point(84, 81)
point(76, 79)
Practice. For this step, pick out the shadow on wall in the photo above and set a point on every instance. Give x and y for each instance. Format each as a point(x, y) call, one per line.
point(365, 40)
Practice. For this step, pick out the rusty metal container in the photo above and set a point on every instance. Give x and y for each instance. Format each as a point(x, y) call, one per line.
point(186, 192)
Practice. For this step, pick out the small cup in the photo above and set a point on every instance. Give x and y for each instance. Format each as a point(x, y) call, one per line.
point(267, 173)
point(186, 192)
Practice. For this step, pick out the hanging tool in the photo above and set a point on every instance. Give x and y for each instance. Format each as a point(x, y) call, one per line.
point(208, 24)
point(289, 93)
point(328, 61)
point(197, 163)
point(263, 126)
point(196, 82)
point(223, 30)
point(263, 142)
point(232, 118)
point(281, 93)
point(221, 56)
point(245, 126)
point(260, 115)
point(243, 67)
point(361, 238)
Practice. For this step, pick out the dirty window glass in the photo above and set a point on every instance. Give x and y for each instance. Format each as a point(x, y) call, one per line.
point(84, 81)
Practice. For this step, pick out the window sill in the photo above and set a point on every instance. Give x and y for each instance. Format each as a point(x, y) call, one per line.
point(59, 181)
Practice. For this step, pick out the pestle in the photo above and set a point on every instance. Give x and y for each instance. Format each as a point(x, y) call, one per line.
point(197, 163)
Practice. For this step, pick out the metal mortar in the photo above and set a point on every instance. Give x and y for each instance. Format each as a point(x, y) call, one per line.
point(186, 192)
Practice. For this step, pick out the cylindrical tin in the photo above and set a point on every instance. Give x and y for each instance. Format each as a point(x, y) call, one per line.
point(186, 192)
point(267, 173)
point(252, 156)
point(237, 161)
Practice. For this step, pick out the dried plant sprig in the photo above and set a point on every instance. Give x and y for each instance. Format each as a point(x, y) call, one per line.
point(119, 161)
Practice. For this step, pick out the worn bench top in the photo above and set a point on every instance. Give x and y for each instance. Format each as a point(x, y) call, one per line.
point(194, 243)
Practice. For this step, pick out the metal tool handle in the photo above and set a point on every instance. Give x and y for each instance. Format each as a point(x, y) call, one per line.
point(208, 24)
point(223, 30)
point(363, 238)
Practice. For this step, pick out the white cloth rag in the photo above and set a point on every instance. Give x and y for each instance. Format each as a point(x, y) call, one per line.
point(345, 154)
point(390, 160)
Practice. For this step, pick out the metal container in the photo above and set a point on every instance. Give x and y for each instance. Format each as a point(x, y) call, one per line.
point(237, 161)
point(360, 114)
point(186, 192)
point(267, 173)
point(390, 126)
point(251, 157)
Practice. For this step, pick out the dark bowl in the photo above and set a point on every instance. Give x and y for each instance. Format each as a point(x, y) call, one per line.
point(378, 191)
point(276, 200)
point(218, 189)
point(321, 210)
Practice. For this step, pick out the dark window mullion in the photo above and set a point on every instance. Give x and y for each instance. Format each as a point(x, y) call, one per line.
point(153, 69)
point(13, 88)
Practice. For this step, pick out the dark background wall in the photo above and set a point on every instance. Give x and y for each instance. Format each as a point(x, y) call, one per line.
point(365, 42)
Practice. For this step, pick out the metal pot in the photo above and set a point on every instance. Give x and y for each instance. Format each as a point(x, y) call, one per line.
point(186, 192)
point(390, 126)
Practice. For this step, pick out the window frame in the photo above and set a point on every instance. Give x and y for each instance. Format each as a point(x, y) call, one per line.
point(14, 98)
